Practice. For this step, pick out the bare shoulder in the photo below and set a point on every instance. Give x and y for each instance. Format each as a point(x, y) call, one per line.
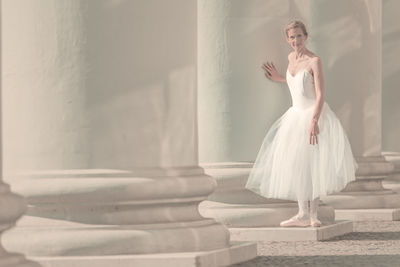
point(315, 61)
point(290, 56)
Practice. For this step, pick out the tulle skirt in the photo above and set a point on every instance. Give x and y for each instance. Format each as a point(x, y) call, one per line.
point(288, 167)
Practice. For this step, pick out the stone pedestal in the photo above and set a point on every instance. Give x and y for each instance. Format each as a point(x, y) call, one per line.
point(238, 252)
point(325, 232)
point(91, 216)
point(392, 181)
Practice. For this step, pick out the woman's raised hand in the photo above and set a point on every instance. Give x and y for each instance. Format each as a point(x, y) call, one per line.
point(271, 72)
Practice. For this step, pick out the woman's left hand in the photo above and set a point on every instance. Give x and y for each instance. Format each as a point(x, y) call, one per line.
point(314, 131)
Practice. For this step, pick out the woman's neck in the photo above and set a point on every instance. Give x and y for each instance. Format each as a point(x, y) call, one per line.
point(299, 54)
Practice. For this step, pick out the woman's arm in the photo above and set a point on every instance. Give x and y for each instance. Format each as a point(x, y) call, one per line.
point(319, 81)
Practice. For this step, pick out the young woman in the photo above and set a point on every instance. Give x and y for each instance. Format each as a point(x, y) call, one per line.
point(306, 153)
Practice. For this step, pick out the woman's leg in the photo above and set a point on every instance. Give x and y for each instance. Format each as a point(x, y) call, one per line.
point(303, 210)
point(314, 212)
point(302, 218)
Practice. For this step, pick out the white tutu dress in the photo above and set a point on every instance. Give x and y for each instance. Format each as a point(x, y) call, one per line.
point(287, 165)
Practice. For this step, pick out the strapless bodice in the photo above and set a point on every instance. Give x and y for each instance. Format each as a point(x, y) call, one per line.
point(301, 88)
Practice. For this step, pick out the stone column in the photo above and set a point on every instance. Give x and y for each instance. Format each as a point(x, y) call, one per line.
point(390, 92)
point(237, 104)
point(101, 135)
point(390, 77)
point(12, 206)
point(353, 60)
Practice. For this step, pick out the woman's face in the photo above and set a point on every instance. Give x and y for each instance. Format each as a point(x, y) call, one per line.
point(296, 38)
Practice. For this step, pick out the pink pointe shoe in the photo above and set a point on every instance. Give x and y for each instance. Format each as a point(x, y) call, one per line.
point(295, 221)
point(315, 222)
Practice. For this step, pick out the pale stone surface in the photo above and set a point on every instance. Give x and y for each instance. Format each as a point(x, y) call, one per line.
point(326, 231)
point(394, 158)
point(257, 215)
point(234, 253)
point(392, 182)
point(104, 215)
point(368, 214)
point(371, 244)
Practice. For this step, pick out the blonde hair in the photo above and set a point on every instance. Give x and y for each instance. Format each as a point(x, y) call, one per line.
point(296, 24)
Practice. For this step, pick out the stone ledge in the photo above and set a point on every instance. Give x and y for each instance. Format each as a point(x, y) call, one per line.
point(368, 214)
point(392, 183)
point(236, 253)
point(257, 215)
point(324, 232)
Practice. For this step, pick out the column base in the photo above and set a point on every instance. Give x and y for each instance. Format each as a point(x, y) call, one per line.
point(16, 260)
point(366, 198)
point(236, 252)
point(368, 214)
point(392, 185)
point(392, 182)
point(12, 206)
point(114, 212)
point(326, 231)
point(384, 199)
point(43, 237)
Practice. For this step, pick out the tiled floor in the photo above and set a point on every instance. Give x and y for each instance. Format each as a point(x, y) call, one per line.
point(371, 244)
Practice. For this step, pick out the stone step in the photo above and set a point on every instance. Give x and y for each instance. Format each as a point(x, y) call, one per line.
point(326, 231)
point(368, 214)
point(237, 252)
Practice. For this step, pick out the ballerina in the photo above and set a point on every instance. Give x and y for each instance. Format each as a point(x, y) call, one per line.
point(305, 153)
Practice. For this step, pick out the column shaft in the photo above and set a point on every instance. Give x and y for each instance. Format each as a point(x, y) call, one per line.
point(12, 206)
